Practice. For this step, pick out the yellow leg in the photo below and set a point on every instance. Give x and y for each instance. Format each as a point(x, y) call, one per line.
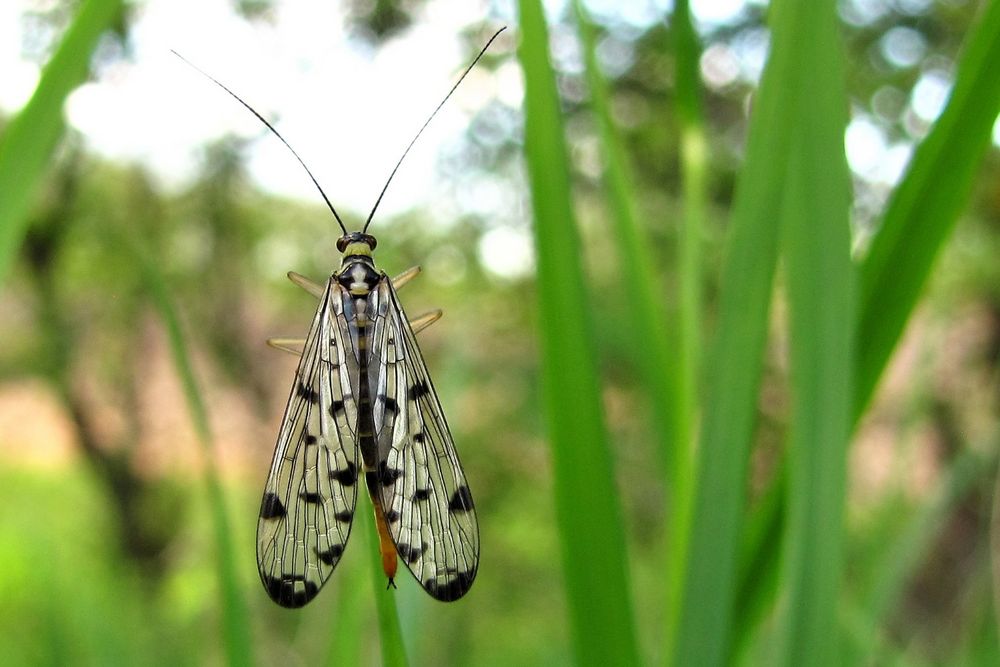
point(405, 277)
point(313, 288)
point(290, 345)
point(421, 322)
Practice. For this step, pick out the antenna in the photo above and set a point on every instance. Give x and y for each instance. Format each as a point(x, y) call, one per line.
point(424, 126)
point(276, 133)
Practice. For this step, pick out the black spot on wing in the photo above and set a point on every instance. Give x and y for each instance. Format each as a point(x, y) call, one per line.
point(387, 475)
point(453, 589)
point(419, 437)
point(344, 516)
point(346, 477)
point(392, 516)
point(419, 389)
point(461, 500)
point(336, 408)
point(290, 590)
point(331, 555)
point(411, 554)
point(307, 393)
point(271, 507)
point(390, 405)
point(310, 439)
point(422, 494)
point(311, 497)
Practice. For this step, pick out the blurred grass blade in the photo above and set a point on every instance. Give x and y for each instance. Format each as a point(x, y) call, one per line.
point(693, 172)
point(958, 146)
point(705, 631)
point(926, 204)
point(759, 561)
point(389, 632)
point(31, 137)
point(658, 368)
point(668, 366)
point(819, 281)
point(346, 626)
point(235, 616)
point(593, 545)
point(703, 616)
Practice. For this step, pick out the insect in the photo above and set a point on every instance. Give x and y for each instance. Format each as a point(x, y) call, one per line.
point(363, 410)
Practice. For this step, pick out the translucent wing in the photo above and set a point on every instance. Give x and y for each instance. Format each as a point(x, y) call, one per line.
point(310, 493)
point(422, 489)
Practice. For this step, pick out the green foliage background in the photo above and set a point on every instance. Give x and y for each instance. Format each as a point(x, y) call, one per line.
point(671, 428)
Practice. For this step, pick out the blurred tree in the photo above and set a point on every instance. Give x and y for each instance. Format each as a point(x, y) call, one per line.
point(149, 512)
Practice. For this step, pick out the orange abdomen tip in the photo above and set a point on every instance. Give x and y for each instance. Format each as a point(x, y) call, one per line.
point(386, 545)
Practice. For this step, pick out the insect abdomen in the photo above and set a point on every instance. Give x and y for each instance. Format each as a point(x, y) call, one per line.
point(366, 421)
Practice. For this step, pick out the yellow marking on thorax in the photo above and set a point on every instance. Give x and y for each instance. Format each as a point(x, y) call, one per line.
point(358, 249)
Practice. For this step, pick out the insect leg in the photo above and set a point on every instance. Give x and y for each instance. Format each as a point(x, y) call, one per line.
point(405, 276)
point(290, 345)
point(313, 288)
point(421, 322)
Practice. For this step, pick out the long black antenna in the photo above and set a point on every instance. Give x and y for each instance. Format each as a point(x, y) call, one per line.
point(424, 126)
point(270, 127)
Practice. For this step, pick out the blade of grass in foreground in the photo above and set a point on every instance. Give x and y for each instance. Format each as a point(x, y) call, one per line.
point(758, 573)
point(819, 281)
point(732, 373)
point(659, 367)
point(926, 204)
point(235, 616)
point(693, 169)
point(593, 545)
point(955, 143)
point(694, 172)
point(704, 617)
point(389, 632)
point(346, 627)
point(32, 135)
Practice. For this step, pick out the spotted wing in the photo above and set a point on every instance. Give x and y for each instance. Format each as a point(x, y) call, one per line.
point(422, 489)
point(310, 493)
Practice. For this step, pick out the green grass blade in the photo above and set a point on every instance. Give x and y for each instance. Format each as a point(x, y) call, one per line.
point(732, 372)
point(594, 562)
point(694, 173)
point(659, 367)
point(925, 206)
point(235, 616)
point(758, 575)
point(31, 137)
point(390, 634)
point(944, 151)
point(819, 279)
point(693, 169)
point(346, 626)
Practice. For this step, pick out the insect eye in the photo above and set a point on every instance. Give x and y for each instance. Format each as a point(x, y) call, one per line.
point(342, 244)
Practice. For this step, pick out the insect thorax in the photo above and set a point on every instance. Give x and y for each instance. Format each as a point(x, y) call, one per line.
point(357, 274)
